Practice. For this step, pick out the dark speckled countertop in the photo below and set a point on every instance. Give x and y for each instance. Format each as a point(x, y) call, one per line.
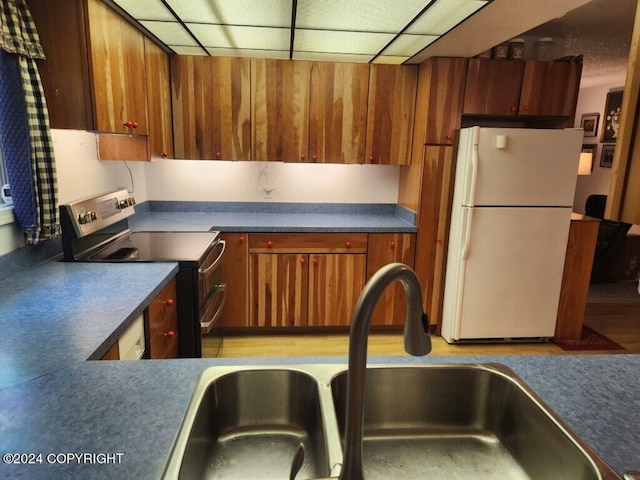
point(53, 401)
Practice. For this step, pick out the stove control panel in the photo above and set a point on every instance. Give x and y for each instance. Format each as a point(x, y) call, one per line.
point(95, 213)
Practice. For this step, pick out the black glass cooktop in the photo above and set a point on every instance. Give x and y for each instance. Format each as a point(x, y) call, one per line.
point(159, 246)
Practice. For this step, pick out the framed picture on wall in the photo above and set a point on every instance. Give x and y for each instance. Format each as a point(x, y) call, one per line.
point(589, 124)
point(612, 116)
point(606, 157)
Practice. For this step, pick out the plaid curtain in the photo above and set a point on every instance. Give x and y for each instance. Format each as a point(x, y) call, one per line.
point(18, 37)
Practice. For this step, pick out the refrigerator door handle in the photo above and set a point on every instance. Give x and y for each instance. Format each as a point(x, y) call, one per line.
point(474, 175)
point(467, 234)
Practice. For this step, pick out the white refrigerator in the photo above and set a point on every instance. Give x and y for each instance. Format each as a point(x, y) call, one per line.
point(511, 212)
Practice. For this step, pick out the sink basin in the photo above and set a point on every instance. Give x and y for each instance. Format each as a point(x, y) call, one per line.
point(249, 424)
point(429, 421)
point(460, 422)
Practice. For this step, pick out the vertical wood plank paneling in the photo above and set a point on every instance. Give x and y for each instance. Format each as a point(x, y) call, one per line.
point(391, 109)
point(338, 112)
point(433, 226)
point(117, 52)
point(211, 102)
point(280, 109)
point(335, 283)
point(385, 248)
point(159, 105)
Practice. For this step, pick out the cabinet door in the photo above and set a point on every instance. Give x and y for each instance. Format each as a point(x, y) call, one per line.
point(118, 74)
point(158, 101)
point(211, 110)
point(338, 112)
point(550, 88)
point(390, 114)
point(65, 72)
point(335, 283)
point(279, 290)
point(280, 109)
point(441, 86)
point(235, 274)
point(385, 248)
point(493, 87)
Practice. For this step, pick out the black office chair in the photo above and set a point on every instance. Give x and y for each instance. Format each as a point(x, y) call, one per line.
point(610, 236)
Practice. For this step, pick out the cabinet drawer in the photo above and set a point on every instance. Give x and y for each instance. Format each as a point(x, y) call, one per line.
point(308, 243)
point(162, 306)
point(164, 336)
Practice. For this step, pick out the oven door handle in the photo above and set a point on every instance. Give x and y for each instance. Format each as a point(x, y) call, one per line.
point(204, 271)
point(206, 327)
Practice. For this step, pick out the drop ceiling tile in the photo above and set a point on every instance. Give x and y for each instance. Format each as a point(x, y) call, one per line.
point(146, 9)
point(272, 13)
point(361, 43)
point(332, 57)
point(170, 33)
point(443, 15)
point(409, 45)
point(241, 52)
point(227, 36)
point(389, 16)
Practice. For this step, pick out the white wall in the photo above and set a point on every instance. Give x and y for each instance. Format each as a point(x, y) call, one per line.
point(592, 100)
point(200, 180)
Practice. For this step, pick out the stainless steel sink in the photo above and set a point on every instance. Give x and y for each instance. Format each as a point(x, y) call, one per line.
point(434, 421)
point(248, 425)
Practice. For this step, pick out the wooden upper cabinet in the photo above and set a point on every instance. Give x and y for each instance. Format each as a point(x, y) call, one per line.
point(391, 109)
point(550, 88)
point(158, 101)
point(118, 71)
point(64, 75)
point(338, 112)
point(441, 84)
point(211, 107)
point(493, 87)
point(280, 109)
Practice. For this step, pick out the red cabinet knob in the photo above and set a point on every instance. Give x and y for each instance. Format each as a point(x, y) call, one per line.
point(314, 157)
point(449, 137)
point(302, 261)
point(392, 244)
point(241, 238)
point(371, 158)
point(134, 124)
point(169, 302)
point(218, 154)
point(164, 155)
point(303, 156)
point(315, 260)
point(170, 334)
point(514, 109)
point(128, 124)
point(269, 244)
point(347, 244)
point(439, 240)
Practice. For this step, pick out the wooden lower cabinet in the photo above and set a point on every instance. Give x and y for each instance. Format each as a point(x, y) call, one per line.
point(385, 248)
point(305, 280)
point(235, 275)
point(335, 283)
point(161, 324)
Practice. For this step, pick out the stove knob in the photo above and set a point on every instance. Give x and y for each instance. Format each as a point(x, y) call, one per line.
point(123, 204)
point(94, 216)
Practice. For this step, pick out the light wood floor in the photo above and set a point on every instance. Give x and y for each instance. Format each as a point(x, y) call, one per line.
point(619, 322)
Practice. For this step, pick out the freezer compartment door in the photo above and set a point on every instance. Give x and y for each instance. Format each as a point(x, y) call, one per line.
point(509, 273)
point(535, 167)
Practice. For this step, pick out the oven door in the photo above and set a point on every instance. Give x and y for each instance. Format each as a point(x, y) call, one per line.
point(211, 289)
